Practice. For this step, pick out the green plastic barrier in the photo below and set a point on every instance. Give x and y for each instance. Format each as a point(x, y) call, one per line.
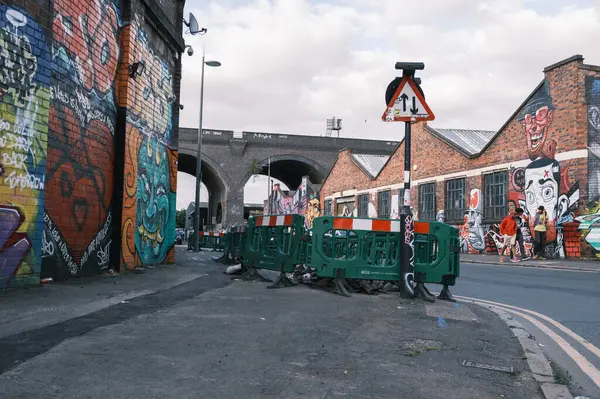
point(227, 242)
point(238, 242)
point(369, 249)
point(273, 242)
point(212, 240)
point(353, 248)
point(437, 254)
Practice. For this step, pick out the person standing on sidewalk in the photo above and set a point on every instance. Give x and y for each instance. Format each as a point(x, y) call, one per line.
point(540, 226)
point(508, 229)
point(521, 224)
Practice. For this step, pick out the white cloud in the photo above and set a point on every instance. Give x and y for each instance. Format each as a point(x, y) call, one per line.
point(290, 64)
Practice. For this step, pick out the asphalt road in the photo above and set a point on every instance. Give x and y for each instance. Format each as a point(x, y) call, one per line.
point(571, 298)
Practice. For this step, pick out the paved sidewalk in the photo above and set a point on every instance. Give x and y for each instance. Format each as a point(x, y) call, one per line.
point(213, 337)
point(35, 307)
point(564, 264)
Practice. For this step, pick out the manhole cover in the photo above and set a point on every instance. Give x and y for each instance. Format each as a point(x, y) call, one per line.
point(415, 347)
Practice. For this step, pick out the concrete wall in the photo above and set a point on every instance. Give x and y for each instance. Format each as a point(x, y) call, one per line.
point(546, 138)
point(68, 109)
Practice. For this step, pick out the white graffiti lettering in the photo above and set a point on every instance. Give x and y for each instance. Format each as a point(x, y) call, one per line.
point(82, 107)
point(47, 246)
point(103, 256)
point(4, 125)
point(14, 159)
point(62, 246)
point(102, 234)
point(11, 141)
point(23, 130)
point(262, 136)
point(24, 180)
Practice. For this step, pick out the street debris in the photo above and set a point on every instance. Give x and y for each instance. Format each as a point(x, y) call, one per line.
point(307, 275)
point(415, 347)
point(505, 369)
point(442, 322)
point(234, 269)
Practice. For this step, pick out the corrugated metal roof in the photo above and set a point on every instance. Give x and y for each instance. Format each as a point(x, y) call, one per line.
point(371, 164)
point(472, 142)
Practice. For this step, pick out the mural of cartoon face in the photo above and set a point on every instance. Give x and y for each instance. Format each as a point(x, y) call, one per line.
point(153, 203)
point(536, 118)
point(475, 220)
point(536, 131)
point(542, 186)
point(313, 211)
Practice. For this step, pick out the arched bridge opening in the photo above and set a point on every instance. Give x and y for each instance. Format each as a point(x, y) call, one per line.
point(211, 211)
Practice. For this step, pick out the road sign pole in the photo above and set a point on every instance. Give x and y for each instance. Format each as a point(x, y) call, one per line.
point(406, 103)
point(407, 264)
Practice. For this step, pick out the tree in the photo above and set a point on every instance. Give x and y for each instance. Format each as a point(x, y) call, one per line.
point(180, 219)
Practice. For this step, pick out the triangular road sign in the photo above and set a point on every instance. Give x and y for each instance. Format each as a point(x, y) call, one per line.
point(407, 104)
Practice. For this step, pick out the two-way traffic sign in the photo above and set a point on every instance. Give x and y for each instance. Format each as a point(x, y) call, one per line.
point(407, 104)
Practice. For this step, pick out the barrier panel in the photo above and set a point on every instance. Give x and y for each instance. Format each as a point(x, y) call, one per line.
point(437, 255)
point(273, 242)
point(238, 242)
point(212, 240)
point(351, 248)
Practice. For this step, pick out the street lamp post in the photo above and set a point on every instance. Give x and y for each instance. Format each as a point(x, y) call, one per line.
point(199, 154)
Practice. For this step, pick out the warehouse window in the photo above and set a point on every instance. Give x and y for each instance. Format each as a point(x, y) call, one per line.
point(384, 204)
point(494, 196)
point(363, 206)
point(400, 200)
point(328, 205)
point(427, 201)
point(455, 200)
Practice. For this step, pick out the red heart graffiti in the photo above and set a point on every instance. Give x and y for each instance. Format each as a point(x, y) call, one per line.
point(78, 179)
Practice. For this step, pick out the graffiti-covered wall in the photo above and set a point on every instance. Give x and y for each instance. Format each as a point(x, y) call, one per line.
point(589, 225)
point(303, 201)
point(82, 127)
point(148, 227)
point(61, 79)
point(25, 79)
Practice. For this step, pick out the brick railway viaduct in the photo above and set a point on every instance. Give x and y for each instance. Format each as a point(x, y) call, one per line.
point(230, 158)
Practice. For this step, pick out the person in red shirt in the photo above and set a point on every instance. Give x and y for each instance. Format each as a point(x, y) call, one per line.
point(508, 229)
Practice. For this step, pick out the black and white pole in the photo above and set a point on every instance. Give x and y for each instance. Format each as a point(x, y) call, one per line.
point(412, 284)
point(407, 227)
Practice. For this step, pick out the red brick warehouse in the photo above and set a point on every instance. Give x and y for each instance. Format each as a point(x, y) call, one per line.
point(547, 153)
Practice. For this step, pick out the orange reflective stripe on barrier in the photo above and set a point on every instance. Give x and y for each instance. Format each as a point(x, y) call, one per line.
point(272, 221)
point(421, 227)
point(392, 226)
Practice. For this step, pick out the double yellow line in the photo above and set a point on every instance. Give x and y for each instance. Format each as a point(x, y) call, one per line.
point(534, 318)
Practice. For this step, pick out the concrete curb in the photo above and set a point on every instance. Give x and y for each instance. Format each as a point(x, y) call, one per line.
point(536, 359)
point(521, 264)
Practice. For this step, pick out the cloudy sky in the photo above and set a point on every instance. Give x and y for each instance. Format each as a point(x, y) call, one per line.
point(288, 65)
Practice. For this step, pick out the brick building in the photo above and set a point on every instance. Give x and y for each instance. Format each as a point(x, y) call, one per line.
point(547, 153)
point(88, 135)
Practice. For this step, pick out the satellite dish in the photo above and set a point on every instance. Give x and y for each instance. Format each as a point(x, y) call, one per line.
point(193, 26)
